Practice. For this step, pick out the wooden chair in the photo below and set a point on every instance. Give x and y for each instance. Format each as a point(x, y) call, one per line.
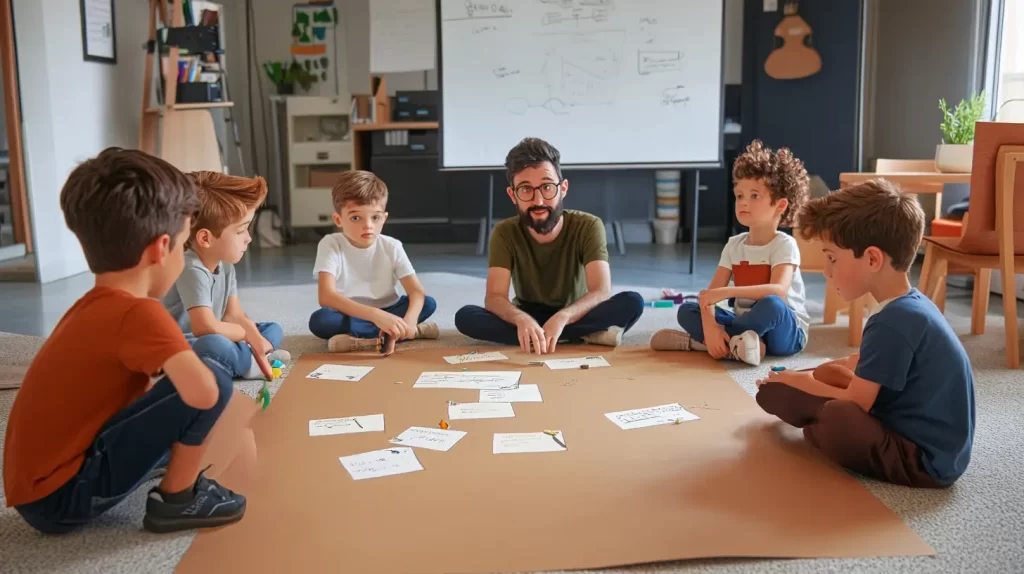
point(990, 239)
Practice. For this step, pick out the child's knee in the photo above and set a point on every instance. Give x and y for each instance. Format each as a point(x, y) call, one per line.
point(836, 428)
point(773, 302)
point(224, 378)
point(273, 332)
point(429, 305)
point(217, 346)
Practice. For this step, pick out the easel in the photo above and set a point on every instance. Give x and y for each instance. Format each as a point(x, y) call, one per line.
point(182, 134)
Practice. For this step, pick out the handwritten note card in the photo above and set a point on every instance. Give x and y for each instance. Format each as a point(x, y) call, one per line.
point(378, 463)
point(651, 416)
point(524, 394)
point(339, 373)
point(433, 439)
point(346, 425)
point(575, 363)
point(512, 443)
point(477, 380)
point(458, 411)
point(475, 358)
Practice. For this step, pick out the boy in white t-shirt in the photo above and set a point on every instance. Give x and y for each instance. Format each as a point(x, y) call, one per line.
point(767, 294)
point(358, 272)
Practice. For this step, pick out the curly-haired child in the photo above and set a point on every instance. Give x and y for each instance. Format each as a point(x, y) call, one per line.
point(767, 291)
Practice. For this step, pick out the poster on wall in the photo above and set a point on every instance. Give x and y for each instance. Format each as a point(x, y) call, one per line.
point(98, 38)
point(313, 46)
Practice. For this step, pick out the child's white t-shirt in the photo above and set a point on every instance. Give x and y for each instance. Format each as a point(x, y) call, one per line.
point(368, 276)
point(753, 264)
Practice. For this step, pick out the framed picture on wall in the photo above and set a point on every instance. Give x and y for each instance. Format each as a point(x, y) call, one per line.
point(99, 40)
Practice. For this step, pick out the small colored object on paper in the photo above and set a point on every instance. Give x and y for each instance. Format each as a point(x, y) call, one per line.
point(380, 463)
point(443, 425)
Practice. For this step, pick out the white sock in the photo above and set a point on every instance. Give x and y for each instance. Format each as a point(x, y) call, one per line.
point(253, 373)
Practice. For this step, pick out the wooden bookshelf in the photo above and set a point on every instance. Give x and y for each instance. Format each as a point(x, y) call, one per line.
point(181, 133)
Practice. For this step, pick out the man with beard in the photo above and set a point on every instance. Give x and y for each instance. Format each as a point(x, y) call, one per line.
point(557, 260)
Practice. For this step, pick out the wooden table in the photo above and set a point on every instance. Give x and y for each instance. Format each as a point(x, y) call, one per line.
point(918, 182)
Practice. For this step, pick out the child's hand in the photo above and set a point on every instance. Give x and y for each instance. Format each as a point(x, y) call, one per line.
point(709, 297)
point(391, 324)
point(261, 361)
point(717, 342)
point(410, 328)
point(266, 346)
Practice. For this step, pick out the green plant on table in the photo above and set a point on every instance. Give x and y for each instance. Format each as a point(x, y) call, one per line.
point(958, 123)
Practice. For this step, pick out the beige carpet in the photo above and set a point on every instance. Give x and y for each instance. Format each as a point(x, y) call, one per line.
point(976, 526)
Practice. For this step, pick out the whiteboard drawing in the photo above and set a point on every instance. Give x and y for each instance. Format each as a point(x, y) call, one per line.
point(482, 10)
point(656, 62)
point(579, 69)
point(674, 96)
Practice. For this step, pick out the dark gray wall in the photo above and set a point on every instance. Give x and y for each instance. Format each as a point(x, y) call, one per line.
point(921, 50)
point(816, 117)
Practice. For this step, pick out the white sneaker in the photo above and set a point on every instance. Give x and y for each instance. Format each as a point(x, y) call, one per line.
point(746, 347)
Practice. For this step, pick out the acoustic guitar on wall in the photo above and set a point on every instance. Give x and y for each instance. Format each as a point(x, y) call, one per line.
point(795, 58)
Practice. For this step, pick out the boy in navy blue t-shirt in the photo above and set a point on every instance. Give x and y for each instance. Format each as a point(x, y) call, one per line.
point(902, 410)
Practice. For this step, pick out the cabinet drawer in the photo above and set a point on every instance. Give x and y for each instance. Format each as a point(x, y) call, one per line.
point(314, 153)
point(311, 207)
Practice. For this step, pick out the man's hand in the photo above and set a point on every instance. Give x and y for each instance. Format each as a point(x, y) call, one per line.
point(553, 330)
point(391, 324)
point(530, 333)
point(709, 297)
point(717, 342)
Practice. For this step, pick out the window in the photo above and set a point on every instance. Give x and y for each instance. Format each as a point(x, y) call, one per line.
point(1008, 80)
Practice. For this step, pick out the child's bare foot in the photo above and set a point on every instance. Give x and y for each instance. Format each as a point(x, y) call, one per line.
point(428, 330)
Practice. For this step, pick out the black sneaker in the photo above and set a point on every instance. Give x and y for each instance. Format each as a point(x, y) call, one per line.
point(212, 505)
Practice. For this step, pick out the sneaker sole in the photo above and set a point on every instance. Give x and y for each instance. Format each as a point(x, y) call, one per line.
point(159, 525)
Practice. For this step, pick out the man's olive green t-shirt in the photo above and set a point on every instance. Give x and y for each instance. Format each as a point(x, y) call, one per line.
point(553, 273)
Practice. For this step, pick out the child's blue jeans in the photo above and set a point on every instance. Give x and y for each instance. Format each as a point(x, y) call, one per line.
point(770, 318)
point(128, 447)
point(327, 322)
point(238, 356)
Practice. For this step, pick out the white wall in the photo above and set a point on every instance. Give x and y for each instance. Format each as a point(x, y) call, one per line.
point(71, 110)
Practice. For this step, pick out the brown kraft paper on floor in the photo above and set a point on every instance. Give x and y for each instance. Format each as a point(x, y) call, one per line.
point(735, 483)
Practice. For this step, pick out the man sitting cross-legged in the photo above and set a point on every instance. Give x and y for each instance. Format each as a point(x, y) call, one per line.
point(556, 259)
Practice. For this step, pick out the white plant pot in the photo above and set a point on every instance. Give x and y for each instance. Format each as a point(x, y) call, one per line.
point(954, 158)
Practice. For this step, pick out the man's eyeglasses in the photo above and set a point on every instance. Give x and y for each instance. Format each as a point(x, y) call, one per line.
point(526, 192)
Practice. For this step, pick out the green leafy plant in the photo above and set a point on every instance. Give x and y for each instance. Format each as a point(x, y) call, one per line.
point(958, 123)
point(286, 75)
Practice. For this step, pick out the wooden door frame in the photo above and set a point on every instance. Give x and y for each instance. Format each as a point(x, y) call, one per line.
point(12, 110)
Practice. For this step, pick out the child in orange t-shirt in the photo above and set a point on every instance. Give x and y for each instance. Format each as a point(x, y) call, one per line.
point(89, 426)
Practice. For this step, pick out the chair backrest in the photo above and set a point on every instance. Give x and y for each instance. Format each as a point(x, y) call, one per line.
point(812, 259)
point(980, 230)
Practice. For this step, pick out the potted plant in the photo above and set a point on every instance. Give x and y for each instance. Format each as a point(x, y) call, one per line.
point(284, 76)
point(956, 152)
